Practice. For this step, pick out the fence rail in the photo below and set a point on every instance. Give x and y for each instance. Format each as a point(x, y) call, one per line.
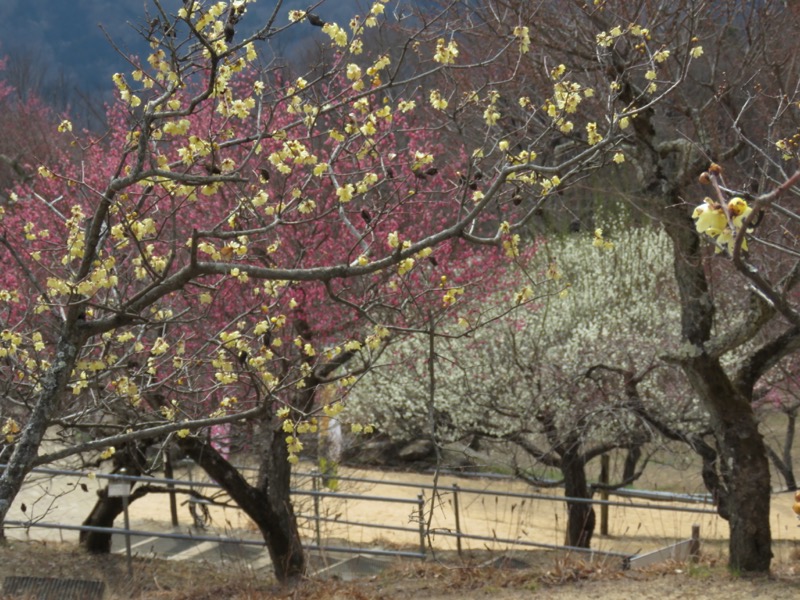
point(427, 535)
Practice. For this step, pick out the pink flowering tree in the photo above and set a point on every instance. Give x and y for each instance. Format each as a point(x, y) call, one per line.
point(28, 138)
point(242, 237)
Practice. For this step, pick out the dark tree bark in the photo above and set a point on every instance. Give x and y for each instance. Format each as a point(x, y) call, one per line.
point(740, 476)
point(571, 460)
point(274, 481)
point(132, 459)
point(749, 373)
point(744, 493)
point(54, 383)
point(105, 512)
point(581, 516)
point(267, 503)
point(743, 464)
point(632, 458)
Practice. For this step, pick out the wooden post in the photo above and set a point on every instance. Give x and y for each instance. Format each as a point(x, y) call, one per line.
point(604, 479)
point(694, 549)
point(458, 519)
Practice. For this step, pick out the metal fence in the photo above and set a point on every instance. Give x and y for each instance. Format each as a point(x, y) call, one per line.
point(321, 515)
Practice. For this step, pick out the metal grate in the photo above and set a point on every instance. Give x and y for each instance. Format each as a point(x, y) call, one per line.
point(47, 588)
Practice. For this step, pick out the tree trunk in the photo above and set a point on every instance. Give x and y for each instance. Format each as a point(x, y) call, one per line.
point(131, 460)
point(631, 460)
point(742, 460)
point(743, 463)
point(267, 504)
point(27, 446)
point(274, 481)
point(105, 512)
point(580, 515)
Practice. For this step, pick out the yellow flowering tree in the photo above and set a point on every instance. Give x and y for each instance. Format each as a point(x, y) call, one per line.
point(244, 235)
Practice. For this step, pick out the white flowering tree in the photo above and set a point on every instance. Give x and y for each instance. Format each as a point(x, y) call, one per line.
point(546, 379)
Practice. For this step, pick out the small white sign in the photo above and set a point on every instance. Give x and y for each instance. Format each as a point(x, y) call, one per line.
point(120, 489)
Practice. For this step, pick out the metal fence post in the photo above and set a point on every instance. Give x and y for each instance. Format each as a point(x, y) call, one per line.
point(604, 479)
point(315, 489)
point(458, 519)
point(121, 488)
point(421, 511)
point(169, 474)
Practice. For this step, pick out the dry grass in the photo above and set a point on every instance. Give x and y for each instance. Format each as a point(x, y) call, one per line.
point(152, 578)
point(557, 577)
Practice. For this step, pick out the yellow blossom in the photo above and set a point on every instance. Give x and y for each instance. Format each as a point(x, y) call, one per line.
point(352, 345)
point(345, 192)
point(491, 115)
point(661, 56)
point(405, 266)
point(406, 105)
point(333, 410)
point(445, 53)
point(600, 242)
point(709, 218)
point(739, 210)
point(353, 72)
point(523, 35)
point(593, 137)
point(10, 430)
point(336, 33)
point(160, 346)
point(437, 101)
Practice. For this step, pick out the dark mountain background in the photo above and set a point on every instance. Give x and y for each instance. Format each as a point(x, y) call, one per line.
point(60, 51)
